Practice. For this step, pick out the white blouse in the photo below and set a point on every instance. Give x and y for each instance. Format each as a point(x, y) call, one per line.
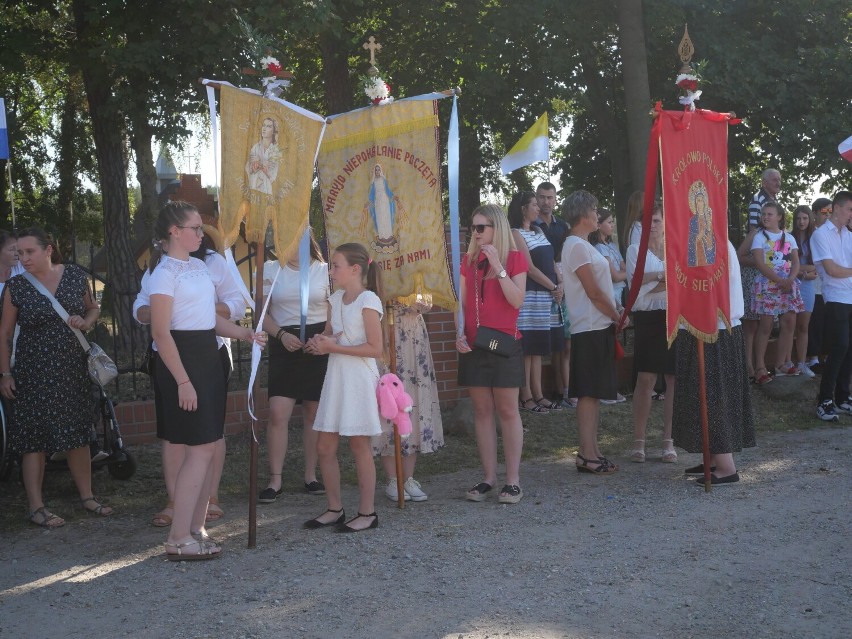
point(646, 300)
point(583, 315)
point(190, 285)
point(285, 302)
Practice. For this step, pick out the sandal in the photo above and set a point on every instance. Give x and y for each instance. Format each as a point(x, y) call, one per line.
point(658, 397)
point(604, 466)
point(546, 403)
point(46, 519)
point(99, 509)
point(214, 511)
point(760, 380)
point(669, 453)
point(313, 524)
point(314, 487)
point(536, 408)
point(346, 528)
point(479, 492)
point(164, 518)
point(637, 455)
point(206, 550)
point(510, 494)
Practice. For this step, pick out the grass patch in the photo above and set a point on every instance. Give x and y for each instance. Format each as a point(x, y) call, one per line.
point(552, 436)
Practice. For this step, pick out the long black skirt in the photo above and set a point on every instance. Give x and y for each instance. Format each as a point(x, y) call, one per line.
point(730, 414)
point(202, 361)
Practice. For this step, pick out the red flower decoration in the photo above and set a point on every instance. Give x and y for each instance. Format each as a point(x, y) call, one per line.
point(376, 100)
point(690, 85)
point(275, 68)
point(387, 86)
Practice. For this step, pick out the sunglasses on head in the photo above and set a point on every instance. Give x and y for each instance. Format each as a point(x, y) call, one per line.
point(480, 228)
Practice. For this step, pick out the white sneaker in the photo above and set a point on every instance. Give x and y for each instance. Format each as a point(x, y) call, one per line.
point(391, 491)
point(619, 398)
point(412, 488)
point(806, 370)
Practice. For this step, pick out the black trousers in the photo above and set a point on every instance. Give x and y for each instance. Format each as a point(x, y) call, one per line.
point(837, 335)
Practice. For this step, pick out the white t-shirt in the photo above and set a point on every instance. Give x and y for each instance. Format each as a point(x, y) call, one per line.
point(190, 285)
point(646, 301)
point(759, 241)
point(17, 269)
point(829, 243)
point(635, 233)
point(582, 314)
point(285, 305)
point(735, 290)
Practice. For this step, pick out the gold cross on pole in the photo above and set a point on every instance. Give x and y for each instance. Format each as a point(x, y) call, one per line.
point(373, 46)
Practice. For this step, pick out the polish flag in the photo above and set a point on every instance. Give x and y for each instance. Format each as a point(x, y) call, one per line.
point(845, 148)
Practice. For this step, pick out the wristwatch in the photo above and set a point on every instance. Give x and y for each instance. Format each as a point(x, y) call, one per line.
point(660, 276)
point(555, 286)
point(9, 374)
point(502, 274)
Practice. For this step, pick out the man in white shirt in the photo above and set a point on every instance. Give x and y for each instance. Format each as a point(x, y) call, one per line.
point(831, 248)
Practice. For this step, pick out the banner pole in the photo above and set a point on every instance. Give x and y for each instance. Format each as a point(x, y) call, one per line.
point(397, 440)
point(260, 255)
point(11, 193)
point(705, 426)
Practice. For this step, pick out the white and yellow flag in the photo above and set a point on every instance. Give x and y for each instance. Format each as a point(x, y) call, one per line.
point(532, 147)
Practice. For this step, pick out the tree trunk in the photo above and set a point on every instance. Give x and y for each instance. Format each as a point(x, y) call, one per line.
point(108, 130)
point(146, 172)
point(612, 134)
point(637, 95)
point(66, 167)
point(335, 73)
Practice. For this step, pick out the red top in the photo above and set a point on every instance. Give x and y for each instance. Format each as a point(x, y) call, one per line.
point(494, 310)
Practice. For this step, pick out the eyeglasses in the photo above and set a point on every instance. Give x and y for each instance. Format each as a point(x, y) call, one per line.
point(480, 228)
point(199, 230)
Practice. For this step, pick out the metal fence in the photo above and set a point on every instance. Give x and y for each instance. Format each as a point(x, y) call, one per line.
point(131, 383)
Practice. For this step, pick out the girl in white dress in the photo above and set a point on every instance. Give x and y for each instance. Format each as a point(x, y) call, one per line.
point(353, 339)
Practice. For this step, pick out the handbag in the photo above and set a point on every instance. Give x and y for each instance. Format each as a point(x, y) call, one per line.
point(102, 370)
point(148, 359)
point(490, 339)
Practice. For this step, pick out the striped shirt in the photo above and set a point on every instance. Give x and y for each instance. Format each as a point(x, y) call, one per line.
point(760, 198)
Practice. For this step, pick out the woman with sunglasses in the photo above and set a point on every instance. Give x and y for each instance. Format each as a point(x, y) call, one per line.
point(493, 286)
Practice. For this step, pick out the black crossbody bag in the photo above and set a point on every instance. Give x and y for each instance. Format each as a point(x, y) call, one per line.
point(490, 339)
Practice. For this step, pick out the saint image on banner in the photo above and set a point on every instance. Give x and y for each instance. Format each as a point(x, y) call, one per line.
point(701, 249)
point(382, 206)
point(264, 157)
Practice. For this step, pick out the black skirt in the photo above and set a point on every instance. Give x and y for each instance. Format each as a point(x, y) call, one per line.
point(202, 361)
point(484, 368)
point(729, 409)
point(592, 371)
point(227, 367)
point(651, 353)
point(298, 375)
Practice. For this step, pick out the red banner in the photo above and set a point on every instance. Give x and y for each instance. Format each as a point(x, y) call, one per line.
point(694, 165)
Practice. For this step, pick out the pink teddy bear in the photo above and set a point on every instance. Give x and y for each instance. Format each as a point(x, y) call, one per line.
point(394, 403)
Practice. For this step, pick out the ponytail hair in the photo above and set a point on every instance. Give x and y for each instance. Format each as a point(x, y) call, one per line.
point(44, 240)
point(356, 255)
point(172, 214)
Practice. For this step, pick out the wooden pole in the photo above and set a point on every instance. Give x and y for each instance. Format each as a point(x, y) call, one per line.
point(260, 255)
point(705, 421)
point(397, 440)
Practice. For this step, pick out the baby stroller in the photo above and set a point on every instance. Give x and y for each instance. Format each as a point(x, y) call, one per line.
point(107, 446)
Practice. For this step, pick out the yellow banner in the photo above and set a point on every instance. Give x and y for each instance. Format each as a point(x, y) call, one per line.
point(379, 173)
point(267, 169)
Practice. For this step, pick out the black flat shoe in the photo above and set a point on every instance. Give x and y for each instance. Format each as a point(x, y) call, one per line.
point(697, 470)
point(313, 524)
point(346, 528)
point(314, 488)
point(268, 495)
point(715, 480)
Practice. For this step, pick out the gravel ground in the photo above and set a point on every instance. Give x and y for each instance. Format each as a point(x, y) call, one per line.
point(644, 553)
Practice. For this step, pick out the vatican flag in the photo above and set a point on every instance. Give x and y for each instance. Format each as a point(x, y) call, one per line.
point(532, 147)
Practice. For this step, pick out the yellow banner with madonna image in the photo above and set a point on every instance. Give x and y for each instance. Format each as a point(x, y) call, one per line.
point(379, 173)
